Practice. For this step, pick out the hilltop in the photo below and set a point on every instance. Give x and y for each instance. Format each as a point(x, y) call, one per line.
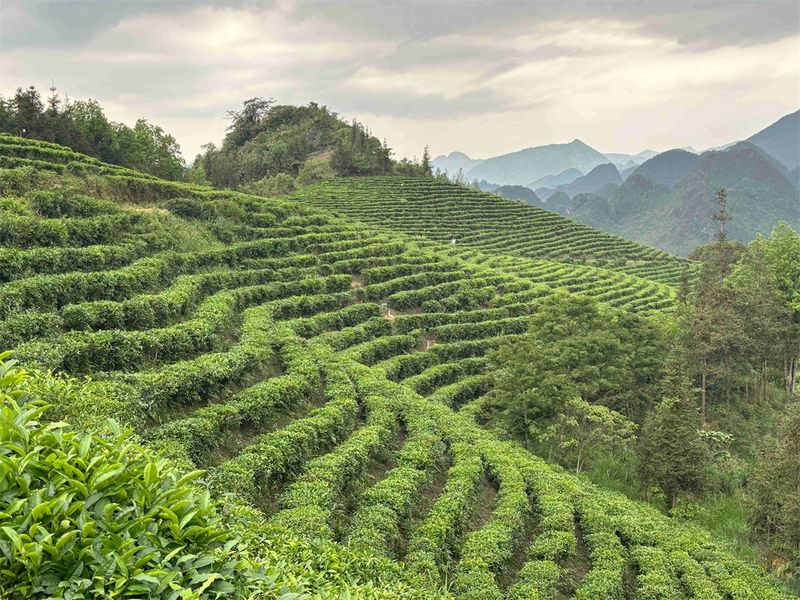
point(668, 168)
point(323, 357)
point(780, 140)
point(593, 181)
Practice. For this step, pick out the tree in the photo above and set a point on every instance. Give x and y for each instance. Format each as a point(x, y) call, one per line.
point(582, 429)
point(83, 126)
point(574, 348)
point(530, 388)
point(774, 490)
point(722, 216)
point(768, 316)
point(248, 122)
point(91, 133)
point(8, 117)
point(28, 109)
point(778, 259)
point(427, 170)
point(672, 454)
point(712, 333)
point(684, 286)
point(149, 148)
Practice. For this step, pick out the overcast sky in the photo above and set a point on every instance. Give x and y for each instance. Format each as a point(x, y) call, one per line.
point(484, 78)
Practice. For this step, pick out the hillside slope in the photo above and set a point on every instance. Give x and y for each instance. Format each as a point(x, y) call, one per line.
point(668, 168)
point(479, 221)
point(327, 373)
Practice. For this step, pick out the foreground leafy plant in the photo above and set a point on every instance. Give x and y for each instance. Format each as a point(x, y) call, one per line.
point(83, 516)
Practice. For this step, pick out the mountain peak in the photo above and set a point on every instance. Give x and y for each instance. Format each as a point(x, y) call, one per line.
point(531, 164)
point(599, 176)
point(781, 140)
point(453, 162)
point(668, 168)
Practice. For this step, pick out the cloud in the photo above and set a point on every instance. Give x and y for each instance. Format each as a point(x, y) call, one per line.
point(476, 76)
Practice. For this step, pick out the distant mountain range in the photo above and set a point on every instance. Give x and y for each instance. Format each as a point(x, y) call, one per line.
point(663, 199)
point(626, 161)
point(668, 201)
point(526, 166)
point(553, 181)
point(455, 162)
point(593, 181)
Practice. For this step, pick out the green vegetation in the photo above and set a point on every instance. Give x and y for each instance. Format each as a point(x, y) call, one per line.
point(509, 233)
point(83, 514)
point(270, 148)
point(82, 125)
point(331, 376)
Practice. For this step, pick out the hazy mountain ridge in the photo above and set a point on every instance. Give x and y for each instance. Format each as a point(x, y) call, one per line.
point(454, 162)
point(530, 164)
point(519, 192)
point(677, 218)
point(781, 140)
point(669, 167)
point(595, 179)
point(553, 181)
point(625, 161)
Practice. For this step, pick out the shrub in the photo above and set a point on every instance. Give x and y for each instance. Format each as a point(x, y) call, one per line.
point(90, 517)
point(277, 185)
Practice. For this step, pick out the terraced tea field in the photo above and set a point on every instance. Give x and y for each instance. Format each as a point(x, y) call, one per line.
point(477, 220)
point(329, 371)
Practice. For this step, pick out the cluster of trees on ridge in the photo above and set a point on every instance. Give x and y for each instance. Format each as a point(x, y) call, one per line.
point(269, 148)
point(695, 414)
point(83, 126)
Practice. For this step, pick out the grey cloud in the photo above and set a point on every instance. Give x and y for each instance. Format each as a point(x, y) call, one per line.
point(700, 24)
point(703, 23)
point(64, 23)
point(427, 106)
point(74, 41)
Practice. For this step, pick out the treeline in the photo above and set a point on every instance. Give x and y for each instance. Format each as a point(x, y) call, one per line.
point(270, 149)
point(697, 414)
point(83, 126)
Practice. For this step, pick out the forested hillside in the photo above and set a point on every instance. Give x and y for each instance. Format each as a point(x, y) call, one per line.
point(351, 368)
point(271, 149)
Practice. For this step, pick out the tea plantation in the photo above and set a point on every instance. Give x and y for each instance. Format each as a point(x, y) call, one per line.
point(322, 359)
